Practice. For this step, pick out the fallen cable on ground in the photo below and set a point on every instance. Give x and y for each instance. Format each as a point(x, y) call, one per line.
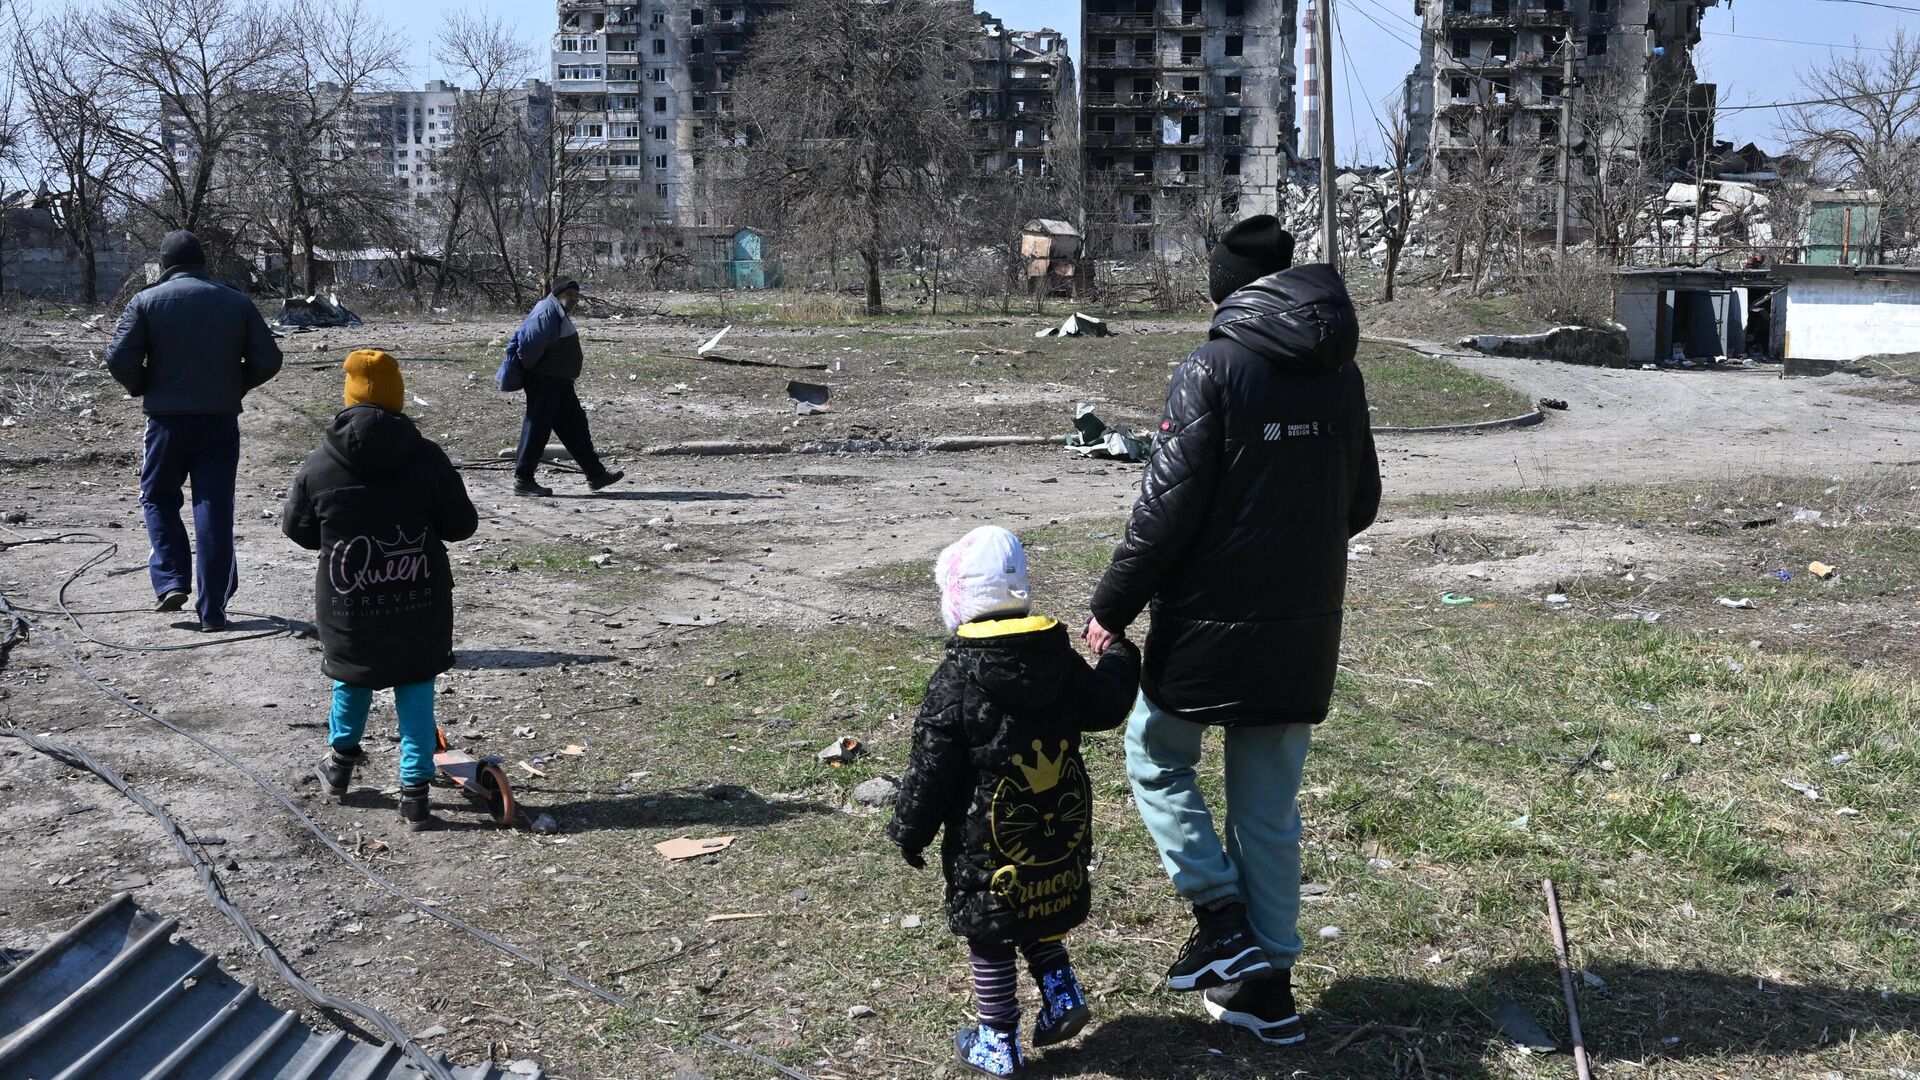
point(389, 886)
point(217, 894)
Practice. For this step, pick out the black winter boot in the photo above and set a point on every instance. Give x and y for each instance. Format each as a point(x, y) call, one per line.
point(414, 809)
point(335, 770)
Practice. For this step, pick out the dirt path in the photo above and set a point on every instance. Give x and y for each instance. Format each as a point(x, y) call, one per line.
point(788, 541)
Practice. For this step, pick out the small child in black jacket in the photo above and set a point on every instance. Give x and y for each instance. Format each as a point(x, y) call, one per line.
point(379, 501)
point(996, 762)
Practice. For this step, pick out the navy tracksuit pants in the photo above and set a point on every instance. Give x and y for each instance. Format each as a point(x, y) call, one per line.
point(202, 449)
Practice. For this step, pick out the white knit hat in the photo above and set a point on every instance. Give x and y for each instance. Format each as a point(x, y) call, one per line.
point(982, 573)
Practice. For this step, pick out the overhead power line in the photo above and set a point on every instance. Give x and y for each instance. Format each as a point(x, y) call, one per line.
point(1842, 100)
point(1794, 41)
point(1877, 4)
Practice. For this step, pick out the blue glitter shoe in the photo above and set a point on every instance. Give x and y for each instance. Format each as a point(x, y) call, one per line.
point(1063, 1008)
point(990, 1050)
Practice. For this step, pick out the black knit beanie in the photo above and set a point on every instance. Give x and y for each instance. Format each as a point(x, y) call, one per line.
point(1250, 250)
point(181, 248)
point(562, 284)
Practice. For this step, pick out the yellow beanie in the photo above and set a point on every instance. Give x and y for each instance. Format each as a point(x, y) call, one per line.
point(373, 378)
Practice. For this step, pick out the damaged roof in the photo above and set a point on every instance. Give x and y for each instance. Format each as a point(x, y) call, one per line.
point(121, 994)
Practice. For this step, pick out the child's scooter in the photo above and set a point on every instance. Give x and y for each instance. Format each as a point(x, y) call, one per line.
point(482, 779)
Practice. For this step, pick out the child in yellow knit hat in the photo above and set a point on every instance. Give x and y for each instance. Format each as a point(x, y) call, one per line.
point(379, 501)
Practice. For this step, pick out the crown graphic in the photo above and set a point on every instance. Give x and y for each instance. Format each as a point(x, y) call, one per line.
point(402, 543)
point(1045, 772)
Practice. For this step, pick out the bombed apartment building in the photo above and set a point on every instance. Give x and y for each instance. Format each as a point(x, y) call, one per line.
point(641, 89)
point(1023, 87)
point(410, 134)
point(1187, 117)
point(1491, 92)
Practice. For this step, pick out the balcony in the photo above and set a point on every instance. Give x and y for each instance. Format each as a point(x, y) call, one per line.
point(1122, 60)
point(1110, 21)
point(1116, 99)
point(1141, 140)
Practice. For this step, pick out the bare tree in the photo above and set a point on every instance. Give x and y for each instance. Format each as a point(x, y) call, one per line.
point(490, 64)
point(312, 131)
point(195, 77)
point(854, 120)
point(71, 111)
point(1396, 199)
point(12, 131)
point(571, 193)
point(1866, 133)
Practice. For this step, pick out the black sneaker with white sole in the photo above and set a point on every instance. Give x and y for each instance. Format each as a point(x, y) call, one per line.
point(1221, 950)
point(1262, 1006)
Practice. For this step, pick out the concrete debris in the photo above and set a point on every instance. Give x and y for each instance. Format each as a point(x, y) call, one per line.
point(1568, 344)
point(878, 792)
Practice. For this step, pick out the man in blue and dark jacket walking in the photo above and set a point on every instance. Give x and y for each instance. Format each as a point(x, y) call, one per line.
point(546, 349)
point(190, 349)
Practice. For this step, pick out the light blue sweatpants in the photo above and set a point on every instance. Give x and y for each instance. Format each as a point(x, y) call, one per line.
point(1260, 861)
point(412, 702)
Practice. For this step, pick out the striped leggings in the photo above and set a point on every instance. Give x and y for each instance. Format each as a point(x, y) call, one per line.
point(996, 978)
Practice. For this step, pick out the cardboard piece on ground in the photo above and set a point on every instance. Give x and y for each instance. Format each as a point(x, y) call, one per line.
point(681, 847)
point(575, 750)
point(1820, 570)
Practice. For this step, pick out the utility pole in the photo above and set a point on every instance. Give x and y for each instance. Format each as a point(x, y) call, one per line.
point(1566, 143)
point(1329, 215)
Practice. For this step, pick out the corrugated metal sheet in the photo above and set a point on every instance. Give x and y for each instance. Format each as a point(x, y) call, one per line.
point(119, 995)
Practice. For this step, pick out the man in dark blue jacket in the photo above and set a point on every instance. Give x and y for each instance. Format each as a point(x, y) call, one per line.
point(190, 349)
point(547, 351)
point(1264, 468)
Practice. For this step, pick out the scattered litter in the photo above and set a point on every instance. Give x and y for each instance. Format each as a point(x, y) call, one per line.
point(861, 1012)
point(1696, 738)
point(1519, 1027)
point(1557, 598)
point(691, 620)
point(1820, 570)
point(1329, 933)
point(1812, 793)
point(1596, 983)
point(531, 771)
point(1377, 863)
point(713, 342)
point(575, 750)
point(433, 1032)
point(524, 732)
point(1847, 811)
point(314, 311)
point(808, 398)
point(1520, 822)
point(681, 847)
point(1455, 601)
point(1759, 523)
point(601, 559)
point(545, 825)
point(1077, 325)
point(737, 916)
point(910, 922)
point(1356, 551)
point(1314, 888)
point(842, 751)
point(1783, 575)
point(1094, 439)
point(1734, 667)
point(1840, 758)
point(1804, 516)
point(1556, 404)
point(1745, 603)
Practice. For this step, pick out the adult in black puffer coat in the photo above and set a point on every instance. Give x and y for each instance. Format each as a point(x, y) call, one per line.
point(1264, 469)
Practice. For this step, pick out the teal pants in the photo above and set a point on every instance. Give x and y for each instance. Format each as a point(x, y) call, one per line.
point(413, 702)
point(1259, 863)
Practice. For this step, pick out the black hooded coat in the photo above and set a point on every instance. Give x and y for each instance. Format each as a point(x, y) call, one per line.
point(996, 764)
point(380, 502)
point(1263, 470)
